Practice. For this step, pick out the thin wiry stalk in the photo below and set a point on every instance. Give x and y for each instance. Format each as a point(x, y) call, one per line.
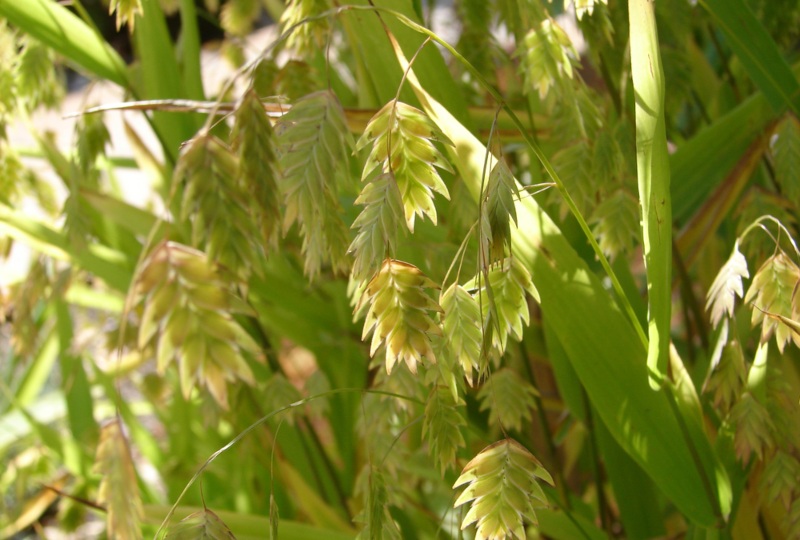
point(242, 434)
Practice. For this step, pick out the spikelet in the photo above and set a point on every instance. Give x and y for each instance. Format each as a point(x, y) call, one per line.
point(126, 11)
point(586, 7)
point(792, 521)
point(217, 204)
point(252, 139)
point(25, 299)
point(509, 399)
point(441, 426)
point(503, 489)
point(616, 222)
point(771, 291)
point(398, 314)
point(237, 16)
point(753, 426)
point(727, 286)
point(203, 524)
point(476, 41)
point(497, 212)
point(462, 329)
point(401, 137)
point(376, 517)
point(274, 517)
point(119, 491)
point(37, 79)
point(9, 51)
point(314, 156)
point(377, 225)
point(548, 57)
point(780, 478)
point(187, 316)
point(727, 373)
point(504, 309)
point(309, 35)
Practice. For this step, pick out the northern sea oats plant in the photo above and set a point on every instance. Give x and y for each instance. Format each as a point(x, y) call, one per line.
point(563, 300)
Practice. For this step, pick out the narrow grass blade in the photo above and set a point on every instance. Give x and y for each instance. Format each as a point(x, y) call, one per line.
point(161, 76)
point(653, 172)
point(110, 265)
point(56, 26)
point(634, 492)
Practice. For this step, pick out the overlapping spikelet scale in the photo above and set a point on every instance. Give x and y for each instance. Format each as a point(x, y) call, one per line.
point(399, 314)
point(187, 317)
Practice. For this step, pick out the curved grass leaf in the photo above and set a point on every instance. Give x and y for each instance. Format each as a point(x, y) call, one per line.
point(56, 26)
